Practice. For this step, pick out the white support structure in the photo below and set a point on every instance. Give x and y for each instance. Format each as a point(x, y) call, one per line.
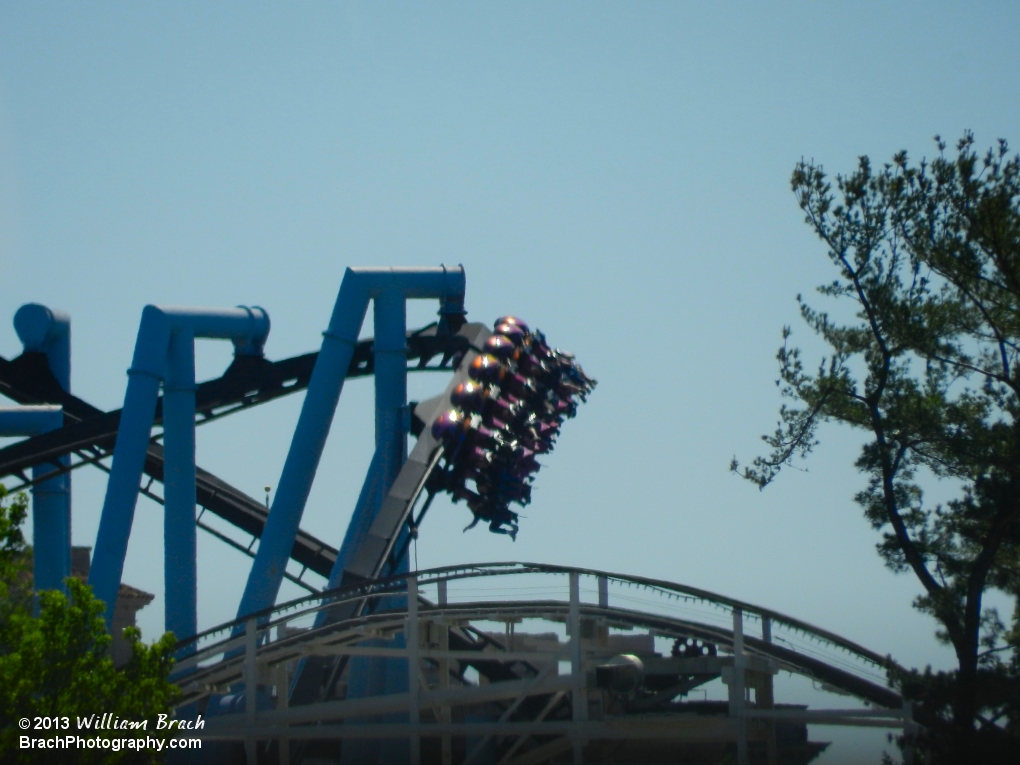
point(579, 694)
point(250, 688)
point(446, 742)
point(282, 698)
point(771, 743)
point(429, 708)
point(532, 686)
point(603, 591)
point(411, 636)
point(738, 701)
point(445, 718)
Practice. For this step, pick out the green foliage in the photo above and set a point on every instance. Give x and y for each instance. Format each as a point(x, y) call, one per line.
point(928, 256)
point(14, 576)
point(57, 665)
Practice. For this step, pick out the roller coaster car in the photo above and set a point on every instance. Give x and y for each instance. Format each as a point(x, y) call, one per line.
point(511, 409)
point(500, 347)
point(486, 369)
point(511, 321)
point(468, 397)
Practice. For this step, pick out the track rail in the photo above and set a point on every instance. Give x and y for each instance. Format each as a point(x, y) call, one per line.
point(823, 656)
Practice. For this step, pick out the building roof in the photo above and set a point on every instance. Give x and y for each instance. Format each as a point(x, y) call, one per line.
point(80, 565)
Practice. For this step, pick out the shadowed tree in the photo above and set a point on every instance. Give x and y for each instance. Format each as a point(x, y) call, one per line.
point(928, 256)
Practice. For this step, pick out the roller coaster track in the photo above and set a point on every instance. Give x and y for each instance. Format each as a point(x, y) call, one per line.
point(534, 702)
point(825, 642)
point(90, 433)
point(334, 625)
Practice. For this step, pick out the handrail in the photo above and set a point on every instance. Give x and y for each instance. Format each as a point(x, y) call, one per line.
point(471, 571)
point(310, 642)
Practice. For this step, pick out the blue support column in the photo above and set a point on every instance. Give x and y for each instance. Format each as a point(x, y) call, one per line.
point(179, 560)
point(122, 487)
point(51, 503)
point(48, 331)
point(391, 426)
point(373, 676)
point(370, 496)
point(162, 336)
point(306, 446)
point(390, 385)
point(390, 351)
point(51, 525)
point(358, 287)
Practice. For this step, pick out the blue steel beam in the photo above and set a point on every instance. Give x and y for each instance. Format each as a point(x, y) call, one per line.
point(359, 286)
point(370, 676)
point(42, 329)
point(180, 568)
point(164, 350)
point(45, 330)
point(361, 521)
point(392, 418)
point(369, 540)
point(51, 499)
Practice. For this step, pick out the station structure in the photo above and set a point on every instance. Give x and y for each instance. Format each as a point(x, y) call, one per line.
point(509, 663)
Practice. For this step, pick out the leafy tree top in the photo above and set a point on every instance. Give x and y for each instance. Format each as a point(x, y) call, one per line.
point(58, 665)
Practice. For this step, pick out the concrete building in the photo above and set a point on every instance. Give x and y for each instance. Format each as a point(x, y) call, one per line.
point(130, 601)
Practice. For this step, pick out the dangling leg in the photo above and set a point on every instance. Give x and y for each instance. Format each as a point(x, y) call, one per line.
point(496, 527)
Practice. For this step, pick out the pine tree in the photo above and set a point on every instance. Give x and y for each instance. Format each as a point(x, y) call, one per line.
point(928, 255)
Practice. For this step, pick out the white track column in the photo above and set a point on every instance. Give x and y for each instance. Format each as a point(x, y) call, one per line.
point(446, 718)
point(413, 664)
point(250, 690)
point(579, 694)
point(737, 690)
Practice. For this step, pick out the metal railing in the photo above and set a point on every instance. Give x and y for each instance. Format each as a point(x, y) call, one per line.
point(226, 659)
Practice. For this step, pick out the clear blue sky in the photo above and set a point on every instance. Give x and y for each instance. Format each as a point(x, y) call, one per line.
point(617, 174)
